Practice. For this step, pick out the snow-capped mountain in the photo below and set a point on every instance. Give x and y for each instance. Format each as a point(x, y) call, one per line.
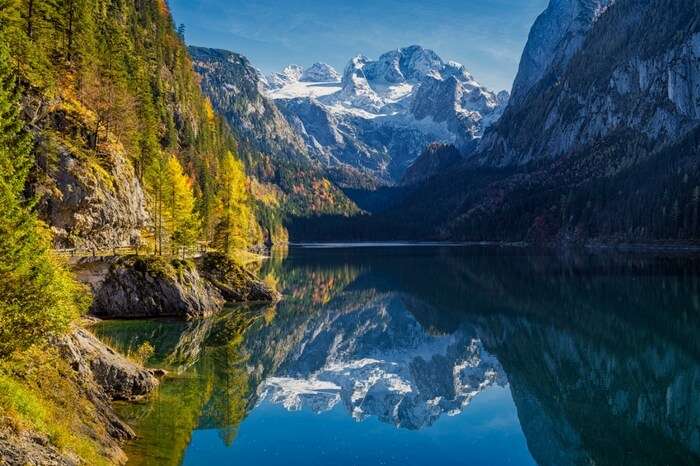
point(273, 150)
point(383, 113)
point(319, 73)
point(288, 75)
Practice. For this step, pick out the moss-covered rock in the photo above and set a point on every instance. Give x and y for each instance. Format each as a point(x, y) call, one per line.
point(155, 287)
point(235, 283)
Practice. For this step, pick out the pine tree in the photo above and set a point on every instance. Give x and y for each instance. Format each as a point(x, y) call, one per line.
point(38, 297)
point(156, 178)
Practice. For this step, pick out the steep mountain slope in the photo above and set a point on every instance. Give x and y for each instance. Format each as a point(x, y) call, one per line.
point(603, 147)
point(380, 116)
point(621, 123)
point(274, 152)
point(436, 159)
point(555, 37)
point(636, 71)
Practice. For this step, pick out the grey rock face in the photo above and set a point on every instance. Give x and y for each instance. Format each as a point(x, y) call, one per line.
point(29, 448)
point(101, 376)
point(235, 283)
point(319, 73)
point(118, 377)
point(154, 287)
point(554, 38)
point(652, 93)
point(289, 74)
point(95, 207)
point(234, 88)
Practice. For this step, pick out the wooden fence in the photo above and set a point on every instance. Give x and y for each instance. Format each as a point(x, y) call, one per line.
point(180, 252)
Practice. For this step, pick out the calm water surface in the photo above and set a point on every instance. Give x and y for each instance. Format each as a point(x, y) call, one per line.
point(433, 355)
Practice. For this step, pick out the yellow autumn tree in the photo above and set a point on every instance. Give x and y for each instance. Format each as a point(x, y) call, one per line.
point(181, 220)
point(235, 224)
point(171, 203)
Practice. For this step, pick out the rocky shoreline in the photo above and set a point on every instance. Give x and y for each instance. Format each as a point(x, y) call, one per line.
point(129, 287)
point(101, 376)
point(143, 286)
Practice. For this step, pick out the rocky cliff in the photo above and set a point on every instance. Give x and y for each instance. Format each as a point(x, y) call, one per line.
point(155, 287)
point(558, 33)
point(132, 286)
point(90, 199)
point(631, 66)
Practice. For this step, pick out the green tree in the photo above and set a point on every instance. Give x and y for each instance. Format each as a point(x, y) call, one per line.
point(156, 179)
point(38, 297)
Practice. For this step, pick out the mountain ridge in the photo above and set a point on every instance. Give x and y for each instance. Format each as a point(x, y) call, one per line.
point(382, 113)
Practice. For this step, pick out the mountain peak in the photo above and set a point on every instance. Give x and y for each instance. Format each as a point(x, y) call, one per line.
point(320, 73)
point(290, 74)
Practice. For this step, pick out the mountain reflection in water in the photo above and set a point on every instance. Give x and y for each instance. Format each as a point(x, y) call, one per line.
point(595, 357)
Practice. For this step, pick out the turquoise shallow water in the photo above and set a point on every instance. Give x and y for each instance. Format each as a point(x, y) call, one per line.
point(433, 355)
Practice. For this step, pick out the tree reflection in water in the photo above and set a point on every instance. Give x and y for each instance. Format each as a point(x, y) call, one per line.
point(600, 351)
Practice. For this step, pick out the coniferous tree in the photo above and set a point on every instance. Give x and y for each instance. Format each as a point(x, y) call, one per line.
point(38, 297)
point(235, 226)
point(181, 220)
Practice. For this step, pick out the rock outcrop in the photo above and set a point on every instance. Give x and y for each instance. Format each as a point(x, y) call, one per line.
point(92, 201)
point(133, 286)
point(118, 377)
point(100, 376)
point(31, 448)
point(155, 287)
point(319, 73)
point(233, 281)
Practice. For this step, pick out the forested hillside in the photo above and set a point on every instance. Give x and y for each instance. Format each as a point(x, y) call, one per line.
point(274, 152)
point(127, 150)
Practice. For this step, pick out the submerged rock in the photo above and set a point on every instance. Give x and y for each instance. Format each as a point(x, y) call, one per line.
point(233, 281)
point(155, 287)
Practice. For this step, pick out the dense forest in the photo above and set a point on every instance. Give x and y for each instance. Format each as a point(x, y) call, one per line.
point(112, 79)
point(100, 112)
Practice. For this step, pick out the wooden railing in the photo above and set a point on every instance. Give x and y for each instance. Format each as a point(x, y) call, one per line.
point(179, 252)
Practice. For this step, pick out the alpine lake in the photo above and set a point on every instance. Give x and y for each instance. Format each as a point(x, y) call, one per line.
point(402, 354)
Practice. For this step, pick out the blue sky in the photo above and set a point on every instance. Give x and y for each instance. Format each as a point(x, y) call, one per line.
point(485, 35)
